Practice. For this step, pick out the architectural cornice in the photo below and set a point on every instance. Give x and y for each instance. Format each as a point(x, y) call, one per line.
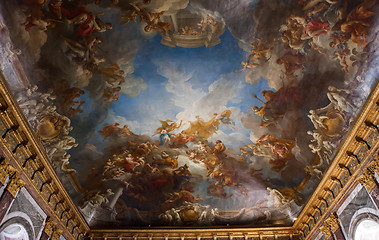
point(195, 233)
point(25, 154)
point(358, 149)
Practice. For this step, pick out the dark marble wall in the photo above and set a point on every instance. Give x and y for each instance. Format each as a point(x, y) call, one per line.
point(359, 202)
point(25, 211)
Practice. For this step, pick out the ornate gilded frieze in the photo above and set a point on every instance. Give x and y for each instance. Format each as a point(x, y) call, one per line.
point(49, 226)
point(203, 233)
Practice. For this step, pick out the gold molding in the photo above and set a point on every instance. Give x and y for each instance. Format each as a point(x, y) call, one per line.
point(341, 176)
point(26, 155)
point(333, 222)
point(198, 233)
point(325, 229)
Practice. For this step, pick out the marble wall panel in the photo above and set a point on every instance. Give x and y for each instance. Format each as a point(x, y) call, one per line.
point(358, 199)
point(25, 203)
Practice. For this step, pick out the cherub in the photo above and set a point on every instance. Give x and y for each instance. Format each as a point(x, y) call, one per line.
point(108, 165)
point(88, 22)
point(247, 65)
point(111, 94)
point(293, 32)
point(151, 19)
point(167, 126)
point(225, 118)
point(218, 191)
point(108, 130)
point(40, 23)
point(342, 56)
point(292, 62)
point(112, 74)
point(357, 21)
point(259, 49)
point(73, 111)
point(128, 16)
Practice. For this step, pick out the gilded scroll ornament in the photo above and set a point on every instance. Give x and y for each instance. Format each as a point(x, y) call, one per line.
point(5, 170)
point(56, 233)
point(331, 225)
point(15, 184)
point(325, 229)
point(333, 222)
point(49, 226)
point(368, 178)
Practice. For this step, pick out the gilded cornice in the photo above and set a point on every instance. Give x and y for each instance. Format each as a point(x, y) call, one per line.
point(26, 155)
point(56, 233)
point(196, 233)
point(355, 153)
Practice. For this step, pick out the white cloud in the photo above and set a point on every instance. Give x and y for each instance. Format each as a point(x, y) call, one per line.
point(132, 85)
point(137, 127)
point(220, 93)
point(168, 6)
point(181, 90)
point(253, 122)
point(272, 72)
point(204, 104)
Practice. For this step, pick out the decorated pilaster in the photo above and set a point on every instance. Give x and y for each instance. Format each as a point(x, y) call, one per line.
point(331, 228)
point(369, 180)
point(48, 228)
point(56, 233)
point(6, 170)
point(11, 190)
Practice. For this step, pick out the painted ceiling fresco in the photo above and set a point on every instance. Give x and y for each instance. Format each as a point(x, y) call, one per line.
point(190, 112)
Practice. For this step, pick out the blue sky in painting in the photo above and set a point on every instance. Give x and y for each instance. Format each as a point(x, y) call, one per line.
point(205, 67)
